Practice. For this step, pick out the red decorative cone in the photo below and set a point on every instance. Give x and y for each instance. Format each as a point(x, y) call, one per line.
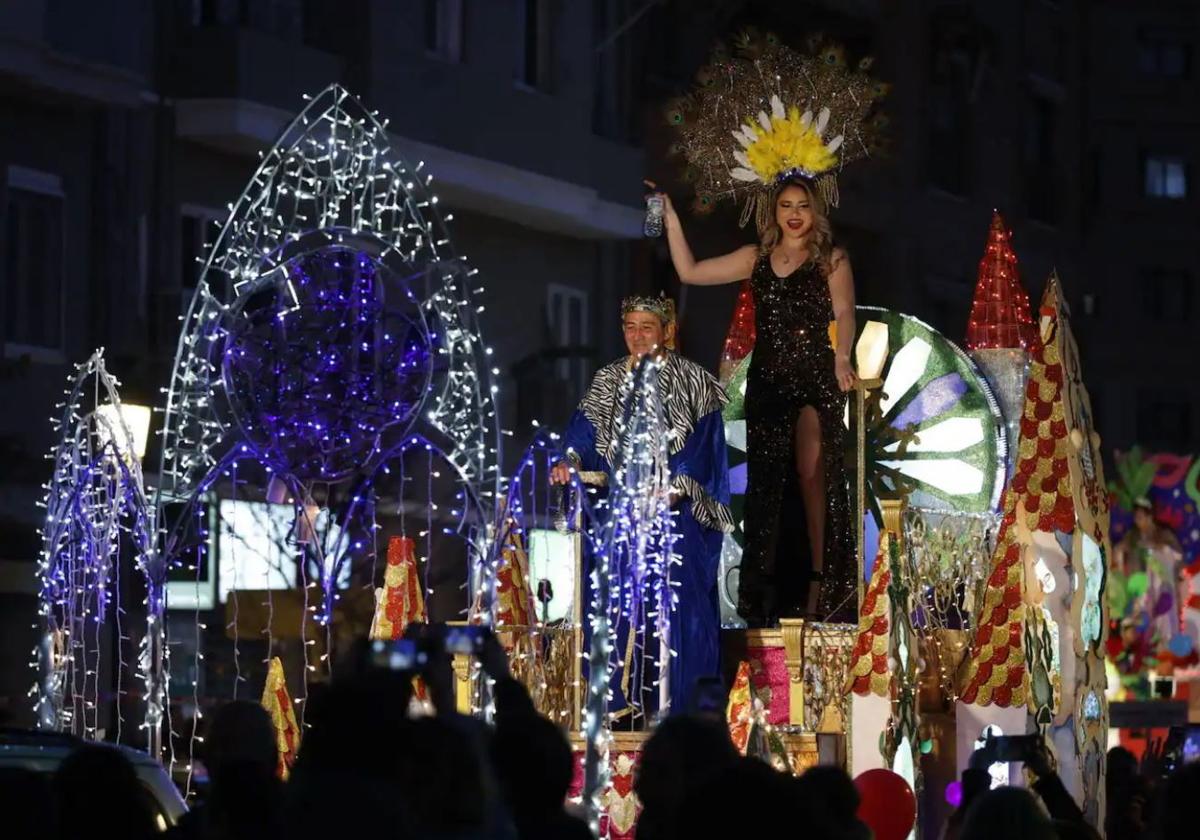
point(1000, 316)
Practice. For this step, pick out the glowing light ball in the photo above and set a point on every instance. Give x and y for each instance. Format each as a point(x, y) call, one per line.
point(324, 361)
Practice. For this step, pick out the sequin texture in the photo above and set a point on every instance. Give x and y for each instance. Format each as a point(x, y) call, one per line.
point(792, 367)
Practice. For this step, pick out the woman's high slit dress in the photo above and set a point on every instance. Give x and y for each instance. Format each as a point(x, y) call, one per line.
point(792, 367)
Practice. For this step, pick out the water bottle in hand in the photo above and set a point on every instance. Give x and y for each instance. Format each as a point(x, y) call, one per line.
point(653, 226)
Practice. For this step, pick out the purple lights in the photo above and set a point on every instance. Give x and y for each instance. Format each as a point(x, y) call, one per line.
point(319, 365)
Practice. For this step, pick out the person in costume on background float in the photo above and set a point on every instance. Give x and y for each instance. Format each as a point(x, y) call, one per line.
point(783, 166)
point(692, 401)
point(1149, 558)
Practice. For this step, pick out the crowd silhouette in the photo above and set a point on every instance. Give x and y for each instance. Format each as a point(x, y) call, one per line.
point(367, 768)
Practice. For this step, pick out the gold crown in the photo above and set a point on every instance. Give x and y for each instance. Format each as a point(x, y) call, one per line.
point(662, 306)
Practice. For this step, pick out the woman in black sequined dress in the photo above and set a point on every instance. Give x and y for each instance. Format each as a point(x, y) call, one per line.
point(795, 402)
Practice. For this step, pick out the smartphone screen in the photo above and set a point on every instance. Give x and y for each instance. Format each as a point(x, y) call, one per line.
point(464, 640)
point(398, 655)
point(1189, 744)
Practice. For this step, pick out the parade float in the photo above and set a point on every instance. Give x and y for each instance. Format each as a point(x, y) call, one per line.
point(332, 379)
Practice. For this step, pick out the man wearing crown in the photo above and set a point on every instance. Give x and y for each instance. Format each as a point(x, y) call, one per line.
point(692, 401)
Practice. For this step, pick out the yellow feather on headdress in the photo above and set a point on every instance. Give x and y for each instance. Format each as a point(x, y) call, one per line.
point(770, 113)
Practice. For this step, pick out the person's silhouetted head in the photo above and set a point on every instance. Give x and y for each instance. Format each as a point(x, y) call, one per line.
point(443, 777)
point(99, 794)
point(1122, 766)
point(534, 765)
point(682, 753)
point(27, 805)
point(1006, 813)
point(838, 799)
point(242, 734)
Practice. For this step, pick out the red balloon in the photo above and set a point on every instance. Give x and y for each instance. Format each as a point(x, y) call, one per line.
point(887, 804)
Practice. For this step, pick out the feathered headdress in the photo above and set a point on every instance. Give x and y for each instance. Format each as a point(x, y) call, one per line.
point(766, 114)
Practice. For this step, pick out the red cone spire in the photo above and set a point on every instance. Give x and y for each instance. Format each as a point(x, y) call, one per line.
point(1000, 316)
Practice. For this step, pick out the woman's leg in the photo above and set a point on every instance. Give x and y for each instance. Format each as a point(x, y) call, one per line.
point(810, 468)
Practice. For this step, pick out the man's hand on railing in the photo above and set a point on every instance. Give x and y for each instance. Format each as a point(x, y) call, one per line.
point(560, 473)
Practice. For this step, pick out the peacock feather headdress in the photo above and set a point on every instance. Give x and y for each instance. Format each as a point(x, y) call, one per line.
point(764, 113)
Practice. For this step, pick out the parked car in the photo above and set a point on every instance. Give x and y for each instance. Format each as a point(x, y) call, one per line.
point(45, 751)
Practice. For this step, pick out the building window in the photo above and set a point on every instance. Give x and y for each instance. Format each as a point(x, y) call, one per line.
point(1164, 423)
point(534, 60)
point(957, 59)
point(33, 260)
point(1040, 169)
point(1166, 177)
point(284, 18)
point(567, 317)
point(1167, 296)
point(197, 232)
point(444, 29)
point(1164, 56)
point(612, 89)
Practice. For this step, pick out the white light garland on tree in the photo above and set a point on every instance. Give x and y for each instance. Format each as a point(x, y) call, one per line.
point(96, 509)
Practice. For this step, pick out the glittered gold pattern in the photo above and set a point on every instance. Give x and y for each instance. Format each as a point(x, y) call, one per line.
point(736, 85)
point(738, 712)
point(1040, 490)
point(278, 703)
point(868, 668)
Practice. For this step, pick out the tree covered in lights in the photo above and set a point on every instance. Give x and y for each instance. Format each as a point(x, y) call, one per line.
point(1000, 315)
point(97, 514)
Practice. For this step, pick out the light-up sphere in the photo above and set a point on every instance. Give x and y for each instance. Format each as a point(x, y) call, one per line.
point(324, 361)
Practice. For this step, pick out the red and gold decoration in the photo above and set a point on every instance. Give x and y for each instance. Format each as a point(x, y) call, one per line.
point(1000, 313)
point(739, 341)
point(514, 595)
point(869, 673)
point(1039, 498)
point(769, 680)
point(620, 805)
point(401, 601)
point(278, 703)
point(740, 709)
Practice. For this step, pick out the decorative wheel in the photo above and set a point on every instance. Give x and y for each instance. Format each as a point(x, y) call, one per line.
point(934, 435)
point(934, 432)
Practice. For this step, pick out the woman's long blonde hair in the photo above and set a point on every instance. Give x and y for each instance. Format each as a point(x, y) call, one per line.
point(820, 244)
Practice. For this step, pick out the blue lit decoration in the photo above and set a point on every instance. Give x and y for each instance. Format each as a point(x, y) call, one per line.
point(331, 359)
point(630, 577)
point(96, 515)
point(321, 334)
point(626, 532)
